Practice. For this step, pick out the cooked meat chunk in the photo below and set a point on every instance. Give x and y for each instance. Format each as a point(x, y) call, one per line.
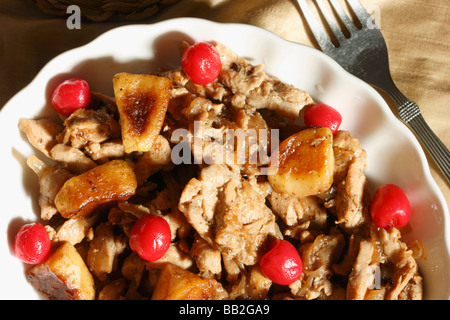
point(49, 186)
point(179, 226)
point(75, 230)
point(200, 197)
point(74, 159)
point(113, 290)
point(41, 133)
point(276, 95)
point(317, 258)
point(133, 269)
point(51, 179)
point(237, 73)
point(252, 86)
point(137, 210)
point(209, 260)
point(299, 214)
point(228, 213)
point(397, 276)
point(87, 125)
point(361, 276)
point(152, 161)
point(404, 269)
point(346, 148)
point(238, 138)
point(242, 222)
point(352, 195)
point(102, 152)
point(413, 289)
point(103, 250)
point(251, 286)
point(174, 255)
point(214, 90)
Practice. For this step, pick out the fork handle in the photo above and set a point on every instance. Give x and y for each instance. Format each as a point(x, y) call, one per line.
point(409, 112)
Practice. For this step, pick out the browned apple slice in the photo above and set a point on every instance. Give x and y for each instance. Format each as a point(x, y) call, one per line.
point(142, 101)
point(176, 283)
point(82, 194)
point(63, 276)
point(303, 164)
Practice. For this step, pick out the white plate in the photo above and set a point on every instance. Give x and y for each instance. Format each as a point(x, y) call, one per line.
point(394, 155)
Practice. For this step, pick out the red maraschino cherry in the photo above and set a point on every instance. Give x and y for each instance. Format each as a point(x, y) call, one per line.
point(390, 207)
point(150, 237)
point(201, 63)
point(71, 95)
point(32, 244)
point(322, 115)
point(281, 263)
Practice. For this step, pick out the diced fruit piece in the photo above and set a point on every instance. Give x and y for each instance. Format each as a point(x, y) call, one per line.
point(322, 115)
point(176, 283)
point(70, 95)
point(32, 243)
point(390, 207)
point(303, 164)
point(150, 237)
point(63, 276)
point(201, 63)
point(281, 263)
point(109, 182)
point(142, 101)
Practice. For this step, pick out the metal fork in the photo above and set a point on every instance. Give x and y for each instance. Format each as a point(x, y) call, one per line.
point(364, 54)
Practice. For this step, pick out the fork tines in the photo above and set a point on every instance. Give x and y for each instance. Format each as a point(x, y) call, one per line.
point(318, 31)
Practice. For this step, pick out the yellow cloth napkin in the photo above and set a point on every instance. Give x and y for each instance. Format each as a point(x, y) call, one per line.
point(417, 33)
